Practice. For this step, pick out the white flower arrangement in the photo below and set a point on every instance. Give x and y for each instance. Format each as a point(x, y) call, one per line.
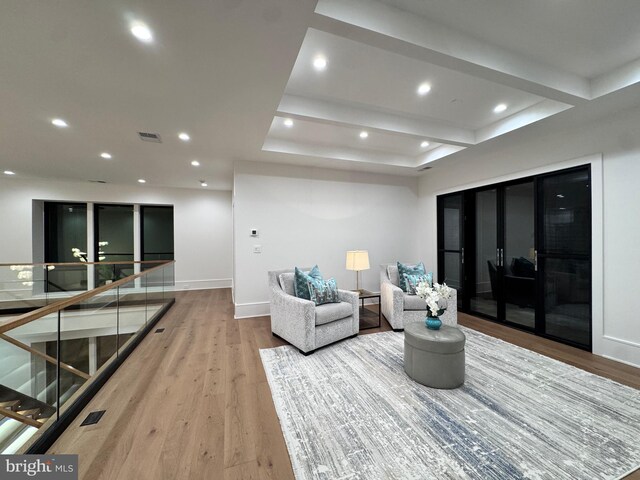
point(83, 255)
point(436, 297)
point(78, 254)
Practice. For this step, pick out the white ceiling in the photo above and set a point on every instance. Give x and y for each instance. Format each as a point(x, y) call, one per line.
point(584, 37)
point(306, 132)
point(227, 72)
point(362, 75)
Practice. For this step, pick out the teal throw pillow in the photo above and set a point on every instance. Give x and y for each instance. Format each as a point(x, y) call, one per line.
point(412, 281)
point(301, 281)
point(408, 270)
point(322, 291)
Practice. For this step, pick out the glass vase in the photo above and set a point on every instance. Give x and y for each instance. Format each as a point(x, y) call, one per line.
point(433, 323)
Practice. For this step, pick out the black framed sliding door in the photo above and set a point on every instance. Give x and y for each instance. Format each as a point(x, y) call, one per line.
point(451, 242)
point(564, 256)
point(484, 285)
point(519, 253)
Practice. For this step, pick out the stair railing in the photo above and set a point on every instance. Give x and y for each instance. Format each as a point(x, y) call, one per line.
point(70, 347)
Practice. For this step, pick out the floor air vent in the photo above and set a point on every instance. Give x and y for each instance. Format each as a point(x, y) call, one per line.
point(160, 330)
point(150, 137)
point(93, 418)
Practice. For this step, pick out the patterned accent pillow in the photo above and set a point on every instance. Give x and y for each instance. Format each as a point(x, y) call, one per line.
point(301, 281)
point(322, 291)
point(412, 281)
point(403, 269)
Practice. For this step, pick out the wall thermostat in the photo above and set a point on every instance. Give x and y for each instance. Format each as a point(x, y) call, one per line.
point(254, 232)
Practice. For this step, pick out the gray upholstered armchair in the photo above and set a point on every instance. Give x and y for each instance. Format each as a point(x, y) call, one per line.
point(305, 325)
point(399, 308)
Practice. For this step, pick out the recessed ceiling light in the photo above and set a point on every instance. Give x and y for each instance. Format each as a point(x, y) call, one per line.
point(58, 122)
point(9, 172)
point(560, 195)
point(319, 63)
point(203, 184)
point(424, 144)
point(142, 32)
point(364, 134)
point(142, 180)
point(184, 136)
point(105, 155)
point(500, 108)
point(288, 122)
point(195, 163)
point(424, 88)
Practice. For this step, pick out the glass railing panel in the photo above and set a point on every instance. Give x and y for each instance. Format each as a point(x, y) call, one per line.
point(169, 282)
point(111, 271)
point(27, 287)
point(65, 280)
point(153, 280)
point(48, 357)
point(133, 311)
point(88, 332)
point(21, 287)
point(28, 380)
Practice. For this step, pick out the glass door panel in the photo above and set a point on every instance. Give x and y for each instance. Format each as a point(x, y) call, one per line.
point(518, 257)
point(565, 256)
point(484, 290)
point(567, 286)
point(450, 242)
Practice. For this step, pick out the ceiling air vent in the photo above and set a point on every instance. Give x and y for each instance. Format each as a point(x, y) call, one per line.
point(150, 137)
point(97, 181)
point(426, 167)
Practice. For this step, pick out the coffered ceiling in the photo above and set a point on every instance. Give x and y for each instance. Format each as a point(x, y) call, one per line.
point(238, 76)
point(491, 67)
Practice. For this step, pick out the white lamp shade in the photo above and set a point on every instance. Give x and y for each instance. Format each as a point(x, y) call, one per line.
point(357, 260)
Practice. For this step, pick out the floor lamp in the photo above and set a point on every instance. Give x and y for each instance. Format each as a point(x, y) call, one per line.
point(358, 260)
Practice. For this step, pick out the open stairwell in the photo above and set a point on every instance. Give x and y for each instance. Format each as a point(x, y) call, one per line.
point(20, 416)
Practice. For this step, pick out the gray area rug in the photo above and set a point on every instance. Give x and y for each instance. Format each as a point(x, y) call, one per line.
point(350, 412)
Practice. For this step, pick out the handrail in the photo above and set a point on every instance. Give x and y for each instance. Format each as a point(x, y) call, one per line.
point(48, 358)
point(60, 264)
point(15, 322)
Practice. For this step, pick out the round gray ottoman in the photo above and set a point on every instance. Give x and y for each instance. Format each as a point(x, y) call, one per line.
point(434, 358)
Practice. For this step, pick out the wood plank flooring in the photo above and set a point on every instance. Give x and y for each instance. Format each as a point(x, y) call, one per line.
point(193, 402)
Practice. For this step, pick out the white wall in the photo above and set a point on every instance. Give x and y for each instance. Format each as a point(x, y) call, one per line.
point(616, 221)
point(202, 222)
point(310, 215)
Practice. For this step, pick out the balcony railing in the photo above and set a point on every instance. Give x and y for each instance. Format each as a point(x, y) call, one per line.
point(57, 348)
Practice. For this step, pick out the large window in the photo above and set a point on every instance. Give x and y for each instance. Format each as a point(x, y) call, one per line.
point(113, 242)
point(157, 232)
point(114, 245)
point(65, 227)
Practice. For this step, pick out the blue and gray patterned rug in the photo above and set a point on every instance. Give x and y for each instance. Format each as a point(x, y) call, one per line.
point(350, 412)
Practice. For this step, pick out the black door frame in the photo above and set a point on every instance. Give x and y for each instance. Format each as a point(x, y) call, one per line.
point(441, 250)
point(542, 255)
point(468, 243)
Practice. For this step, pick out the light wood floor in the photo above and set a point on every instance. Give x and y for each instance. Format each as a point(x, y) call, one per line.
point(193, 402)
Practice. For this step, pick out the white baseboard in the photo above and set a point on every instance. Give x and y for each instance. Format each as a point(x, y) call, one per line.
point(250, 310)
point(620, 350)
point(203, 284)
